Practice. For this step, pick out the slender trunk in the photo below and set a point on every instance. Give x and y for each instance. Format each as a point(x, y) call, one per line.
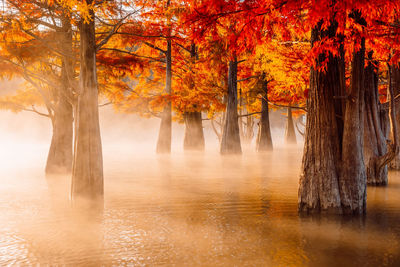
point(194, 137)
point(87, 173)
point(393, 147)
point(216, 131)
point(290, 134)
point(240, 118)
point(385, 122)
point(394, 77)
point(319, 180)
point(59, 159)
point(249, 129)
point(230, 143)
point(165, 133)
point(374, 137)
point(353, 180)
point(264, 139)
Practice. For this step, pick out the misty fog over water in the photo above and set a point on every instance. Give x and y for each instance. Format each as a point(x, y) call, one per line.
point(185, 209)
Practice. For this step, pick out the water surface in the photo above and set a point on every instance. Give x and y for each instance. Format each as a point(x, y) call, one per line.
point(187, 210)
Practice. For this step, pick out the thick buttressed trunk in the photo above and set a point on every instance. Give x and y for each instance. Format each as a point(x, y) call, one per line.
point(394, 78)
point(59, 159)
point(319, 180)
point(374, 135)
point(264, 139)
point(194, 137)
point(353, 179)
point(290, 134)
point(87, 173)
point(165, 133)
point(230, 143)
point(333, 172)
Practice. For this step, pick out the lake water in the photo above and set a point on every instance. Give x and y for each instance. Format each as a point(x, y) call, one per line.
point(187, 210)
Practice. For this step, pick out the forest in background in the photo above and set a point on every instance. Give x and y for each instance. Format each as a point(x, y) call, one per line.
point(226, 61)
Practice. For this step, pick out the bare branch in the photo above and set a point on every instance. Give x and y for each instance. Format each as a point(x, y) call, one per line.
point(112, 32)
point(249, 114)
point(154, 47)
point(248, 78)
point(132, 54)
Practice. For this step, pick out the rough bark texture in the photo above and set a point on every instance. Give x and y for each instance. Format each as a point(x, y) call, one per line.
point(385, 122)
point(374, 137)
point(165, 133)
point(59, 159)
point(87, 175)
point(290, 134)
point(230, 143)
point(353, 180)
point(395, 83)
point(333, 175)
point(319, 180)
point(194, 137)
point(264, 139)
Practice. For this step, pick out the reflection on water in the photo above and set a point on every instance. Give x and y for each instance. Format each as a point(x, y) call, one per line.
point(189, 210)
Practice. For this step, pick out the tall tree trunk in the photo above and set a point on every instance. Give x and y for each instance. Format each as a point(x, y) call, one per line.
point(264, 139)
point(353, 180)
point(165, 133)
point(87, 173)
point(249, 129)
point(230, 143)
point(290, 134)
point(240, 117)
point(374, 137)
point(194, 137)
point(394, 78)
point(333, 176)
point(59, 159)
point(319, 180)
point(385, 122)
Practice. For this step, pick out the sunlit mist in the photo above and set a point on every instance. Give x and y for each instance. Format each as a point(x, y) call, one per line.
point(196, 209)
point(200, 133)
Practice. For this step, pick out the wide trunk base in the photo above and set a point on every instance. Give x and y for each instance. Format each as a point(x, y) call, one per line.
point(59, 159)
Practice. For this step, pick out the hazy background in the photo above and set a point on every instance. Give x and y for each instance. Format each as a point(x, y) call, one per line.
point(30, 133)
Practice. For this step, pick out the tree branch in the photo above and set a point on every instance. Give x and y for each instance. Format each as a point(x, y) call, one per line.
point(132, 54)
point(112, 32)
point(154, 47)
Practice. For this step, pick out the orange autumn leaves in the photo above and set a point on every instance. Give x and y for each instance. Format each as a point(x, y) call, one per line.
point(270, 39)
